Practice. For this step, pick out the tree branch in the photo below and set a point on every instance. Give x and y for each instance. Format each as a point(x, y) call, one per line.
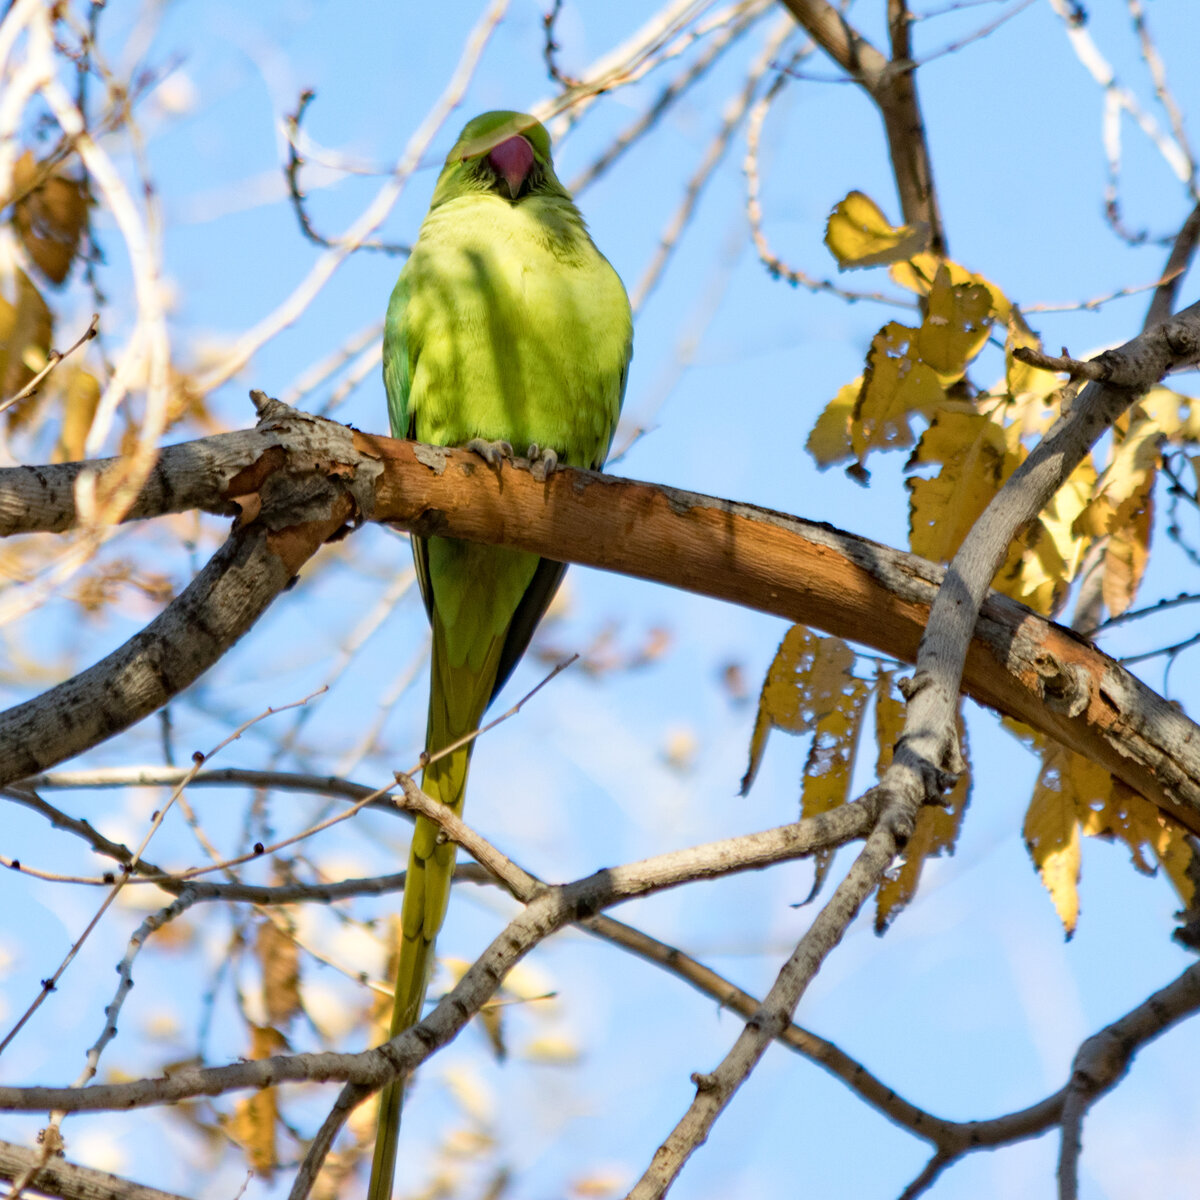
point(1104, 1058)
point(57, 1177)
point(547, 910)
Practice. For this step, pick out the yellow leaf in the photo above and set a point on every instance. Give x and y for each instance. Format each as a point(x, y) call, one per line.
point(552, 1049)
point(1177, 416)
point(1044, 561)
point(920, 272)
point(470, 1093)
point(936, 829)
point(838, 700)
point(80, 398)
point(896, 383)
point(975, 462)
point(600, 1183)
point(26, 328)
point(462, 1143)
point(1034, 572)
point(1059, 517)
point(958, 317)
point(1125, 559)
point(1035, 393)
point(1126, 483)
point(829, 441)
point(1069, 791)
point(491, 1017)
point(859, 235)
point(808, 680)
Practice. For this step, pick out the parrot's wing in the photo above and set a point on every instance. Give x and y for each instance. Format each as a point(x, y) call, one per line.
point(529, 612)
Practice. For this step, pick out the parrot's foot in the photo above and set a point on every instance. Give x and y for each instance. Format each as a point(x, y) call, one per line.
point(542, 463)
point(492, 453)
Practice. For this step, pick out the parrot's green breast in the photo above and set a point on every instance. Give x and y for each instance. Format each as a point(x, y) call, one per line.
point(510, 326)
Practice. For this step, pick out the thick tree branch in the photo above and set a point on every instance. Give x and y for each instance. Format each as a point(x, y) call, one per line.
point(1017, 662)
point(57, 1177)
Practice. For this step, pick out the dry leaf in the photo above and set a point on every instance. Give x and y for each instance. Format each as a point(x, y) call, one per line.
point(51, 218)
point(279, 961)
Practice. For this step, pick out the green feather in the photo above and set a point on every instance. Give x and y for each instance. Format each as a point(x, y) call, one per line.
point(506, 324)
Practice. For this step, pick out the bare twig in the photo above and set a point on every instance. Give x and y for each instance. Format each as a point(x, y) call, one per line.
point(374, 214)
point(295, 164)
point(1162, 90)
point(1182, 251)
point(776, 267)
point(715, 1090)
point(547, 911)
point(731, 120)
point(1104, 1058)
point(52, 361)
point(673, 91)
point(983, 31)
point(550, 48)
point(49, 985)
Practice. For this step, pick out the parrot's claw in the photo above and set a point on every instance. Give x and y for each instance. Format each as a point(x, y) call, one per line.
point(492, 453)
point(542, 463)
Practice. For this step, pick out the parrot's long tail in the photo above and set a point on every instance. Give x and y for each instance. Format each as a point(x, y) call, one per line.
point(457, 699)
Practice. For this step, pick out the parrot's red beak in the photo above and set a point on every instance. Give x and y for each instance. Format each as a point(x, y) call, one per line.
point(512, 159)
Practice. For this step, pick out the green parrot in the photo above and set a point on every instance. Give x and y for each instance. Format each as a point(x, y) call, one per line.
point(507, 328)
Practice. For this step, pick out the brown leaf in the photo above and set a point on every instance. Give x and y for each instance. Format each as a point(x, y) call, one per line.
point(50, 219)
point(279, 961)
point(255, 1117)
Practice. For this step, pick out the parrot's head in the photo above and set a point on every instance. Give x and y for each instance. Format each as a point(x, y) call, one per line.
point(507, 153)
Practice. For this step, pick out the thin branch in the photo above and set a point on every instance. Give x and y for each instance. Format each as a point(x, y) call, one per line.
point(1104, 1058)
point(1151, 610)
point(550, 49)
point(547, 911)
point(983, 31)
point(1098, 302)
point(52, 361)
point(1118, 98)
point(49, 985)
point(731, 120)
point(715, 1090)
point(1183, 251)
point(372, 216)
point(673, 91)
point(1162, 90)
point(775, 265)
point(291, 172)
point(929, 1175)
